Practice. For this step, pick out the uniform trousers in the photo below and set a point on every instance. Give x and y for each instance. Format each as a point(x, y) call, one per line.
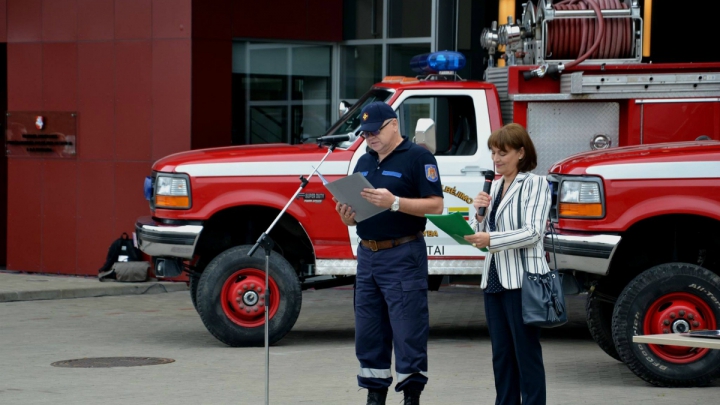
point(391, 310)
point(517, 355)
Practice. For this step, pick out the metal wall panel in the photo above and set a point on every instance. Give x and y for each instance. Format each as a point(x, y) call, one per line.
point(559, 130)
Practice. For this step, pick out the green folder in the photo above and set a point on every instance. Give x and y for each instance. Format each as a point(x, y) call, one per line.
point(454, 225)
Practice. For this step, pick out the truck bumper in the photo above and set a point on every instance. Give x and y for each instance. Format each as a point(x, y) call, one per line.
point(581, 252)
point(163, 240)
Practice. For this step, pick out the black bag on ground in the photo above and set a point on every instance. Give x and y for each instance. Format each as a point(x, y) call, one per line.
point(124, 262)
point(543, 299)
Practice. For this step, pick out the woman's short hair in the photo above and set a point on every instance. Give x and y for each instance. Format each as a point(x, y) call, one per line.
point(514, 136)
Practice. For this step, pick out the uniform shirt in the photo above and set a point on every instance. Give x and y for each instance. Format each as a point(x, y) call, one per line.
point(494, 285)
point(409, 171)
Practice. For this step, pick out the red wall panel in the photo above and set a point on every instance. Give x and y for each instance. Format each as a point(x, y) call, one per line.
point(318, 20)
point(95, 20)
point(130, 202)
point(324, 20)
point(211, 93)
point(24, 76)
point(96, 101)
point(133, 100)
point(24, 20)
point(95, 214)
point(59, 76)
point(59, 20)
point(283, 19)
point(171, 18)
point(3, 20)
point(59, 210)
point(212, 20)
point(25, 185)
point(171, 97)
point(133, 19)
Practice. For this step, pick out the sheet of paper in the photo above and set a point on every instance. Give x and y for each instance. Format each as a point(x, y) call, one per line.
point(347, 191)
point(454, 225)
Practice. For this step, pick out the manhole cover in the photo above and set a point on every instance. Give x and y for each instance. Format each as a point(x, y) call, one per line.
point(98, 362)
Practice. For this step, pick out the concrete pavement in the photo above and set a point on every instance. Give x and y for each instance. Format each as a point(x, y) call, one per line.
point(313, 364)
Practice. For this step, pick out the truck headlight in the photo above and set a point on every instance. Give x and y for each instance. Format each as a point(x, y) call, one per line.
point(172, 191)
point(581, 199)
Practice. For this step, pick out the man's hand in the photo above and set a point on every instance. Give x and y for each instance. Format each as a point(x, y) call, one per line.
point(347, 215)
point(380, 197)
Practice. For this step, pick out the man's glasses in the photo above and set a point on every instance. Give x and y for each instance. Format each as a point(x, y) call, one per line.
point(367, 134)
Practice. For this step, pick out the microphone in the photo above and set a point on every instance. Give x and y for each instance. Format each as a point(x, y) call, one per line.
point(489, 177)
point(333, 139)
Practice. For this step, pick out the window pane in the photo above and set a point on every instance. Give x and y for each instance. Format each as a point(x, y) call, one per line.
point(399, 58)
point(362, 19)
point(281, 92)
point(268, 124)
point(409, 18)
point(361, 67)
point(454, 118)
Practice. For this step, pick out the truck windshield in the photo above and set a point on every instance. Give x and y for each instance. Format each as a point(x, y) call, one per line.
point(350, 122)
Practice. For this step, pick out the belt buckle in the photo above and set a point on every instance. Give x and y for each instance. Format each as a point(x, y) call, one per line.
point(373, 245)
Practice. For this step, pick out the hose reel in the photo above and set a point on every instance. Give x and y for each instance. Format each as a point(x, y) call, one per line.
point(569, 32)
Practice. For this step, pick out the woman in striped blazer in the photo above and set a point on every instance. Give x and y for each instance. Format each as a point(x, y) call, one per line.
point(517, 355)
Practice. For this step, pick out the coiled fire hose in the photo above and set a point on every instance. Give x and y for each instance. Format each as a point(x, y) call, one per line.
point(596, 38)
point(600, 39)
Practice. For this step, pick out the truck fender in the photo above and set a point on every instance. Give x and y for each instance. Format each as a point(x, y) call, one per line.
point(668, 205)
point(264, 198)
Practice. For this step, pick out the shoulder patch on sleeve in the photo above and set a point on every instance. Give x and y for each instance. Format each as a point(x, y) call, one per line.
point(431, 173)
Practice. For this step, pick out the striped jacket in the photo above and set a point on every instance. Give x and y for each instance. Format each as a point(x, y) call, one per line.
point(510, 237)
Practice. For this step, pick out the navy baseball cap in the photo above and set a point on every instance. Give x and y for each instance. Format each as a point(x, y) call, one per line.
point(373, 115)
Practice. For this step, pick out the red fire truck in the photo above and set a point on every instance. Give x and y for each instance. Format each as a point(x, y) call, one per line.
point(573, 77)
point(638, 227)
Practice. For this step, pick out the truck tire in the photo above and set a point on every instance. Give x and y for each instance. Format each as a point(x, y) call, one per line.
point(194, 280)
point(230, 297)
point(599, 321)
point(684, 296)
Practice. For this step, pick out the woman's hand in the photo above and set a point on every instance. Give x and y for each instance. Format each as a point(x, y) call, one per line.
point(347, 215)
point(482, 200)
point(479, 240)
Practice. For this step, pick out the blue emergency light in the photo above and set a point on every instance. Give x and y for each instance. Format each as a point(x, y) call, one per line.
point(148, 188)
point(438, 62)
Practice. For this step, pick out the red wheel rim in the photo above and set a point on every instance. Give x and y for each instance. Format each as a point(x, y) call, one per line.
point(678, 312)
point(243, 298)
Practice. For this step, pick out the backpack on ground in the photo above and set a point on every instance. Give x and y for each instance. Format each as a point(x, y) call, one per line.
point(124, 262)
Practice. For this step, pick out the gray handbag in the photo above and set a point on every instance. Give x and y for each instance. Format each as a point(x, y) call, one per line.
point(543, 301)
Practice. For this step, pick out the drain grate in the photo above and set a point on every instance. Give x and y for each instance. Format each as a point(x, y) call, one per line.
point(104, 362)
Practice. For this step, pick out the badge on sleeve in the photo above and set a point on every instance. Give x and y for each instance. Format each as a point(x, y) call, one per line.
point(431, 173)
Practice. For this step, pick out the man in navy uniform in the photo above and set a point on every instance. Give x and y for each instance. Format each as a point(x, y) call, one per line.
point(391, 287)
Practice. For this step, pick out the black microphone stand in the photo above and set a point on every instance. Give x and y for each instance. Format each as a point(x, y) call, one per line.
point(267, 244)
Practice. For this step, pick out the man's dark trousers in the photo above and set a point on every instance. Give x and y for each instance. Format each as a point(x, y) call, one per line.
point(517, 355)
point(391, 309)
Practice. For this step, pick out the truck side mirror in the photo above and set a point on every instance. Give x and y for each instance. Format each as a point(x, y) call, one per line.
point(425, 134)
point(344, 107)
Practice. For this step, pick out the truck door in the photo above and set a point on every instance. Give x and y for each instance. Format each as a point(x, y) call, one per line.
point(462, 129)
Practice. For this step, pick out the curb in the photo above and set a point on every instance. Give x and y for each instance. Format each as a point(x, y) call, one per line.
point(104, 290)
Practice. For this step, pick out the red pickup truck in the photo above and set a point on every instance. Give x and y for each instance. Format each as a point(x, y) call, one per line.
point(639, 227)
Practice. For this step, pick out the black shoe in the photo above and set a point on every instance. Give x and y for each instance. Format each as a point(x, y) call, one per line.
point(412, 397)
point(376, 397)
